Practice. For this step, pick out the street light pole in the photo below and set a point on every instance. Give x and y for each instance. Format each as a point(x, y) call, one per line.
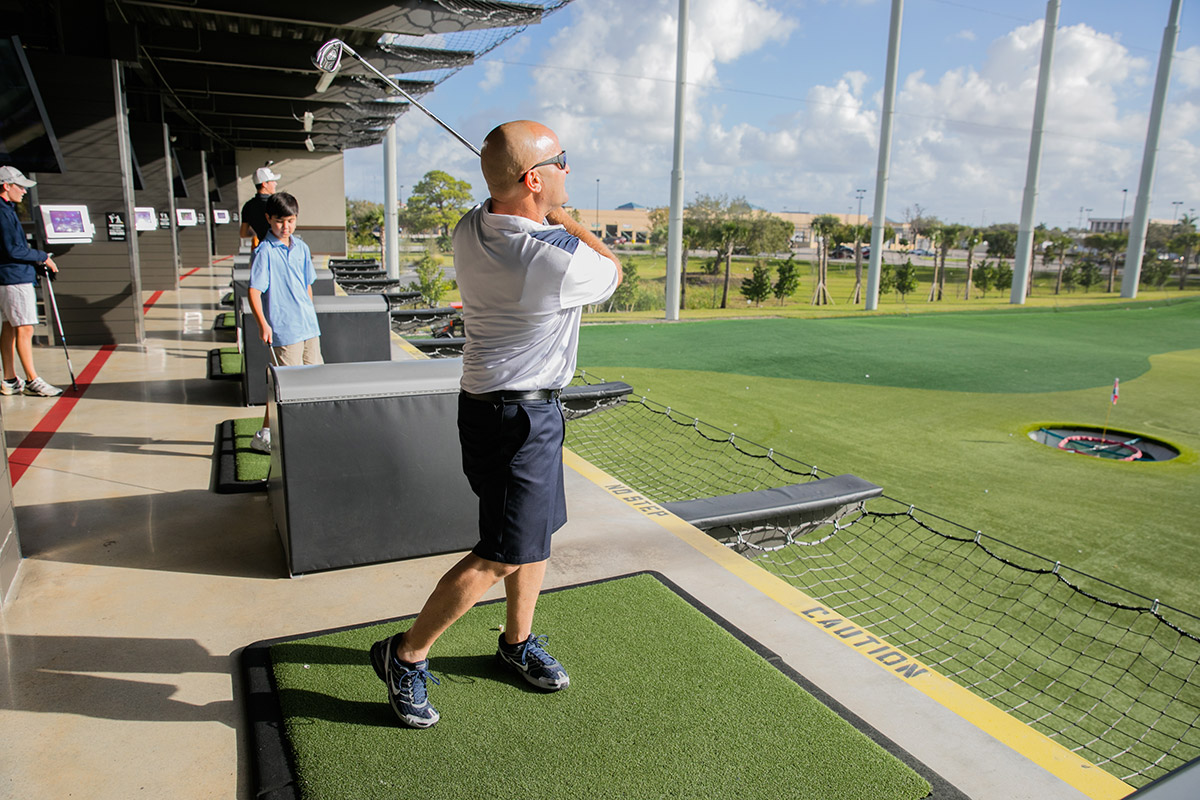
point(1175, 216)
point(598, 234)
point(1124, 197)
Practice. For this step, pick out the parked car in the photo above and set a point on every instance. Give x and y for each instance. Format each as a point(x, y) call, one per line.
point(921, 251)
point(842, 251)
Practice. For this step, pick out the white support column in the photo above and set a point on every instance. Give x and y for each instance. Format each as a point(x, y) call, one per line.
point(1141, 206)
point(391, 202)
point(879, 221)
point(1023, 264)
point(675, 220)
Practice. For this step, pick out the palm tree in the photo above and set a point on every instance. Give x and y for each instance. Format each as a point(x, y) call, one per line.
point(822, 227)
point(971, 240)
point(1187, 240)
point(936, 233)
point(1110, 245)
point(1060, 244)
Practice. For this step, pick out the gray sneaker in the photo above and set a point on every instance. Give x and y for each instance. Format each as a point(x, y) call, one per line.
point(39, 388)
point(533, 663)
point(11, 387)
point(407, 684)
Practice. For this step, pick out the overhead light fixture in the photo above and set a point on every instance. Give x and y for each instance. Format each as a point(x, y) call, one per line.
point(308, 121)
point(308, 144)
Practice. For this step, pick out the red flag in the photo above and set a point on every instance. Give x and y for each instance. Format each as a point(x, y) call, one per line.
point(1116, 390)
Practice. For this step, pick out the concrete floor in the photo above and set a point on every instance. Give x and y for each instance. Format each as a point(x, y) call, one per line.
point(119, 675)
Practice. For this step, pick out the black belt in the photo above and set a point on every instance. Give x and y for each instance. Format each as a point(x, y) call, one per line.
point(530, 396)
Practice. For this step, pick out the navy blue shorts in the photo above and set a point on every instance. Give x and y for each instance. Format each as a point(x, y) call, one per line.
point(512, 456)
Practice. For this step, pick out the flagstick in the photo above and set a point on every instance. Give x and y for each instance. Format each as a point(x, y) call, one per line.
point(1104, 434)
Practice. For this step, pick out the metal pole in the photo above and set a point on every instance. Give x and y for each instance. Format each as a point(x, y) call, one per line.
point(1141, 205)
point(675, 223)
point(885, 156)
point(1023, 266)
point(599, 235)
point(391, 219)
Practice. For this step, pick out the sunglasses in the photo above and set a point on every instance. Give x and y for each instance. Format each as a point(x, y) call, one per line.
point(560, 160)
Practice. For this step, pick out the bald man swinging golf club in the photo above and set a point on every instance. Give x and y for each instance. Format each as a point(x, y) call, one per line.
point(525, 270)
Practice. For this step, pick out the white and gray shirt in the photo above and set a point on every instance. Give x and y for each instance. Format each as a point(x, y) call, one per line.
point(523, 286)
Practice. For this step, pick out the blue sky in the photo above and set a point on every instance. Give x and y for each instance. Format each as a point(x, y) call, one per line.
point(784, 106)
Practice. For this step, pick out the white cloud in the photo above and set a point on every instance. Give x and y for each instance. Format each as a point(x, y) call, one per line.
point(964, 35)
point(493, 75)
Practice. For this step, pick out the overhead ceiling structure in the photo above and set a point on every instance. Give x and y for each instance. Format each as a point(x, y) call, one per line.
point(238, 75)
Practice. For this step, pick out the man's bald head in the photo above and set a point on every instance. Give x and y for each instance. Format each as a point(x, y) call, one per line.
point(509, 151)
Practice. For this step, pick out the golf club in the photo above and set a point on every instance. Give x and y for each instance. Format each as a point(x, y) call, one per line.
point(329, 57)
point(62, 337)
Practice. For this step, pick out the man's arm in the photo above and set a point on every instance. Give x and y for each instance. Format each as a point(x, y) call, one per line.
point(560, 217)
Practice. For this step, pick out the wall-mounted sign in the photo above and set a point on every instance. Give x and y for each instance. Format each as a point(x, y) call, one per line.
point(235, 216)
point(220, 216)
point(186, 217)
point(143, 219)
point(115, 222)
point(200, 220)
point(164, 219)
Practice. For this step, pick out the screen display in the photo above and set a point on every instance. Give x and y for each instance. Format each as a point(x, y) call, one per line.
point(185, 216)
point(27, 140)
point(62, 222)
point(144, 219)
point(220, 216)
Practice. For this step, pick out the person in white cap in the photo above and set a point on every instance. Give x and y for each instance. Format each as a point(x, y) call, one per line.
point(18, 301)
point(254, 212)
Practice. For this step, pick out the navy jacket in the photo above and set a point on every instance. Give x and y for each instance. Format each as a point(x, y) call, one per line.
point(18, 261)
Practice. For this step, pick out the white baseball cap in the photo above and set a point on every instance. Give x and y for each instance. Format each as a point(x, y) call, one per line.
point(13, 175)
point(264, 174)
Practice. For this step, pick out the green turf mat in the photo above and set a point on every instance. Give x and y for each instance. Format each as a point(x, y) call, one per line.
point(251, 464)
point(663, 702)
point(1029, 352)
point(225, 363)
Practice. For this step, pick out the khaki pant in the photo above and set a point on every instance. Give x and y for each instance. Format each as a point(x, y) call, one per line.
point(298, 354)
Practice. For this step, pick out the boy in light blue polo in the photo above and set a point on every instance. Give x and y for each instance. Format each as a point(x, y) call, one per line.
point(282, 272)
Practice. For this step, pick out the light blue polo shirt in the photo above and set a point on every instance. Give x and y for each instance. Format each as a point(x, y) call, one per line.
point(283, 274)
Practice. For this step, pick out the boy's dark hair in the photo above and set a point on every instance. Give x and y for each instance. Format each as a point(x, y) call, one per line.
point(282, 204)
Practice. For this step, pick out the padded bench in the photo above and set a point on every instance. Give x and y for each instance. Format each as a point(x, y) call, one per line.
point(352, 329)
point(798, 503)
point(365, 463)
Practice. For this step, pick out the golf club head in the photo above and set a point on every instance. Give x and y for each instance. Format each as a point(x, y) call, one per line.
point(329, 57)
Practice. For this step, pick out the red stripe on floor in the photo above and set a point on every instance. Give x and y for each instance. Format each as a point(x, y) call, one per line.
point(23, 455)
point(153, 299)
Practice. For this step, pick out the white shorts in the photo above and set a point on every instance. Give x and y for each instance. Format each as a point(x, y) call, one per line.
point(18, 304)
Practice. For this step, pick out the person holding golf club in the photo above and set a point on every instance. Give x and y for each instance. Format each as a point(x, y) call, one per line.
point(18, 300)
point(525, 269)
point(282, 272)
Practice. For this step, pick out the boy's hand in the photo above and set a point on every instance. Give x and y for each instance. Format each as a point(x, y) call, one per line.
point(265, 333)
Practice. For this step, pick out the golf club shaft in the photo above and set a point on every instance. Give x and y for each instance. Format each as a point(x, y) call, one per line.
point(62, 337)
point(409, 97)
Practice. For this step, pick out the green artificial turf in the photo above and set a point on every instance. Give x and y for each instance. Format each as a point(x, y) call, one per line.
point(231, 361)
point(959, 448)
point(958, 352)
point(681, 710)
point(250, 464)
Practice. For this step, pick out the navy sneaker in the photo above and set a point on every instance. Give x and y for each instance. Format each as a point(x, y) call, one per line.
point(531, 660)
point(406, 684)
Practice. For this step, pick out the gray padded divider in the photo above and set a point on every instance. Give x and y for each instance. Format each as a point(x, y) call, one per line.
point(241, 287)
point(353, 329)
point(324, 285)
point(370, 472)
point(813, 499)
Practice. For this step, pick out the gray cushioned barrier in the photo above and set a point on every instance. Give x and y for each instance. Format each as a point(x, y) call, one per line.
point(240, 282)
point(352, 329)
point(324, 285)
point(812, 501)
point(365, 463)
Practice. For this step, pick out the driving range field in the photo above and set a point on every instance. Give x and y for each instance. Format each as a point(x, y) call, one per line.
point(936, 409)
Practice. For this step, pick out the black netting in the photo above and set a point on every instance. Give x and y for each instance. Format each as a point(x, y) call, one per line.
point(1107, 673)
